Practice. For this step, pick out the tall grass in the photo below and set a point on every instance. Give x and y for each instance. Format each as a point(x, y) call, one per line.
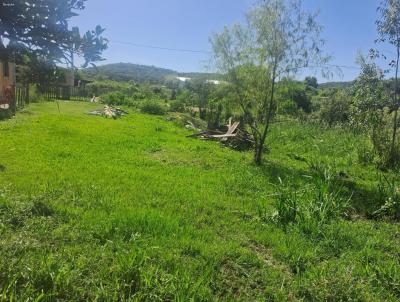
point(313, 206)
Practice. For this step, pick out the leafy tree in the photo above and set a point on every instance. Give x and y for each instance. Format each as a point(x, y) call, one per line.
point(371, 111)
point(388, 26)
point(369, 95)
point(335, 109)
point(278, 39)
point(39, 71)
point(295, 92)
point(203, 90)
point(40, 28)
point(311, 82)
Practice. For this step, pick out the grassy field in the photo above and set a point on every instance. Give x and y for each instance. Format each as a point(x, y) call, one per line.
point(93, 209)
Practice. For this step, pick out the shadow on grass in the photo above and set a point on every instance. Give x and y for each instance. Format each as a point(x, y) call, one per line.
point(277, 173)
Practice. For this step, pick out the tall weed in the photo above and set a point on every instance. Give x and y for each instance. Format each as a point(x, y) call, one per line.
point(312, 207)
point(388, 191)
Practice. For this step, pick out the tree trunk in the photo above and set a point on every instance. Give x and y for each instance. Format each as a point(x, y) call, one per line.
point(260, 146)
point(395, 107)
point(258, 152)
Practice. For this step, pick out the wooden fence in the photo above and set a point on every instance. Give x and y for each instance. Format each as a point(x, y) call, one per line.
point(65, 93)
point(21, 96)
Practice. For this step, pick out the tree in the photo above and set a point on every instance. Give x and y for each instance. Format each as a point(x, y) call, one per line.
point(388, 26)
point(40, 28)
point(371, 110)
point(295, 92)
point(278, 39)
point(311, 82)
point(202, 88)
point(39, 71)
point(335, 109)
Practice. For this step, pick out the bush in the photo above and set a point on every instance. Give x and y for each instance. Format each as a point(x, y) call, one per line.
point(152, 107)
point(177, 106)
point(335, 110)
point(117, 99)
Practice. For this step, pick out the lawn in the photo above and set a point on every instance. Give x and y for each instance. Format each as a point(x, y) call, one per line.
point(94, 209)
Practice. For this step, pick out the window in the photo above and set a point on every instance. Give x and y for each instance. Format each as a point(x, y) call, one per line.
point(6, 69)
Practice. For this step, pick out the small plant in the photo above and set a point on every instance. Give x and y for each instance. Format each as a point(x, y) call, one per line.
point(152, 107)
point(365, 154)
point(389, 194)
point(286, 206)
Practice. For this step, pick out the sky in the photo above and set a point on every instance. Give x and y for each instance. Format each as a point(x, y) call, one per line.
point(349, 27)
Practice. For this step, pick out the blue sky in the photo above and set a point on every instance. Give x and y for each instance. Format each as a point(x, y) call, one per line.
point(349, 26)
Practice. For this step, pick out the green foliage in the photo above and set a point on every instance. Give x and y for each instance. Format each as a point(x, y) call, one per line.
point(177, 106)
point(294, 97)
point(99, 88)
point(388, 190)
point(314, 206)
point(365, 154)
point(152, 107)
point(336, 109)
point(118, 99)
point(371, 111)
point(311, 82)
point(24, 21)
point(277, 39)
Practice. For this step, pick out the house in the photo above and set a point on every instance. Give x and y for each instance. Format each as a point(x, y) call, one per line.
point(7, 83)
point(215, 82)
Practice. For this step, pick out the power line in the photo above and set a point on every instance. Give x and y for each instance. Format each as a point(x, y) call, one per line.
point(333, 65)
point(162, 48)
point(209, 52)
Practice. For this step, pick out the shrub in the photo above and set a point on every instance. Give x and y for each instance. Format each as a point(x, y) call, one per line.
point(117, 98)
point(177, 106)
point(335, 110)
point(152, 107)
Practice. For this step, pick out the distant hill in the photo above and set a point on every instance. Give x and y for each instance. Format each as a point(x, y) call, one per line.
point(336, 84)
point(124, 72)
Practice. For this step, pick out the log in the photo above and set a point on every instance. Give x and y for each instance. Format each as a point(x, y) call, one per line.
point(231, 129)
point(223, 136)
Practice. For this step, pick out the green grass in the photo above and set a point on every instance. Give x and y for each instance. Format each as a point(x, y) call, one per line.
point(133, 210)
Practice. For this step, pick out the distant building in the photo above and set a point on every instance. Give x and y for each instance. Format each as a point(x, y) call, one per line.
point(7, 83)
point(215, 82)
point(183, 79)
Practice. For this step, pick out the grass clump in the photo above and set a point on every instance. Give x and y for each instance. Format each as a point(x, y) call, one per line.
point(388, 192)
point(312, 207)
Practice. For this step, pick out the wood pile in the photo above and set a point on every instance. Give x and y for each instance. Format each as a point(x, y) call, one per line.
point(109, 112)
point(231, 135)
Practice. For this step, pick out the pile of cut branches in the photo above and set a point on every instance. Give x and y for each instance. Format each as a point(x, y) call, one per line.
point(109, 112)
point(230, 135)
